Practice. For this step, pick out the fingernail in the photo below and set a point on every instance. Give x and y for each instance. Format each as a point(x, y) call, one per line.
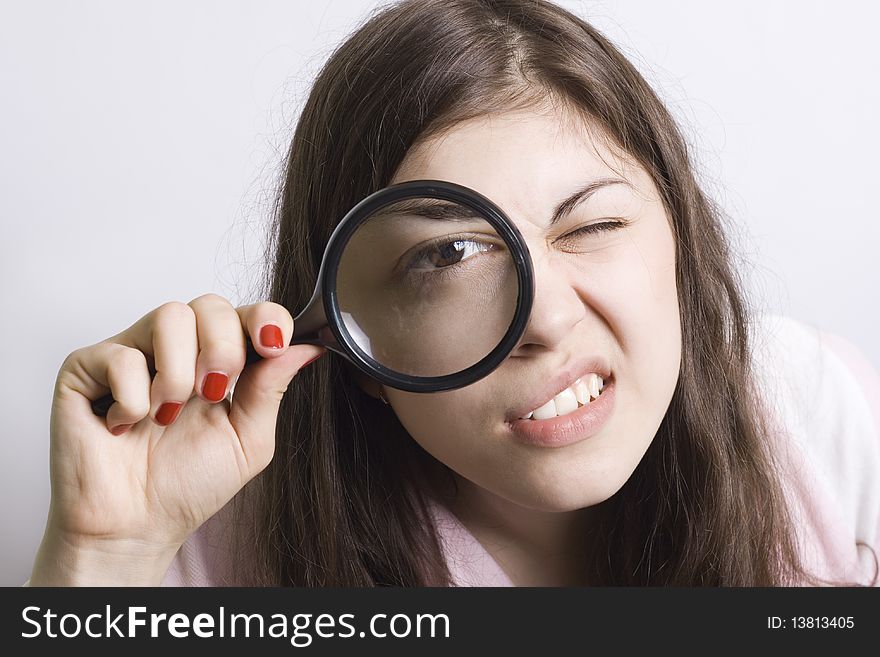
point(311, 360)
point(270, 337)
point(214, 388)
point(120, 429)
point(167, 413)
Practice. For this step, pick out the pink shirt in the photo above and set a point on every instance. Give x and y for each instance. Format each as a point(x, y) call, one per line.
point(825, 399)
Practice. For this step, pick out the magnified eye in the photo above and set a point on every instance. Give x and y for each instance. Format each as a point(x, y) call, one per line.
point(448, 253)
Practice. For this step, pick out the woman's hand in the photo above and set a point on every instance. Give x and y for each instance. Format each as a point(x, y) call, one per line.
point(129, 488)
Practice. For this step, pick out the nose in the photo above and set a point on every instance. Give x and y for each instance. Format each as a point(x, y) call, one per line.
point(557, 308)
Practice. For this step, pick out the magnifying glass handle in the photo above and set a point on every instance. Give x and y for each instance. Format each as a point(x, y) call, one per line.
point(309, 327)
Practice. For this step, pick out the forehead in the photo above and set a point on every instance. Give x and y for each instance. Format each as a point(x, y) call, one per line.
point(524, 160)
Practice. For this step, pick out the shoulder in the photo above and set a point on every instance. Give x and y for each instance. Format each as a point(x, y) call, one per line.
point(469, 563)
point(824, 398)
point(820, 382)
point(204, 558)
point(806, 376)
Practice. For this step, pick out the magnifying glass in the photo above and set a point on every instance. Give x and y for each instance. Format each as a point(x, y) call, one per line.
point(424, 286)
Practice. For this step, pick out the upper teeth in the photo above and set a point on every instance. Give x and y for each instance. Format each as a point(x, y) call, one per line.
point(577, 394)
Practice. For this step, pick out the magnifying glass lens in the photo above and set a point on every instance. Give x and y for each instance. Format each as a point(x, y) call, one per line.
point(426, 287)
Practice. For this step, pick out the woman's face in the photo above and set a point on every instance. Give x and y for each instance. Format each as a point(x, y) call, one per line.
point(610, 294)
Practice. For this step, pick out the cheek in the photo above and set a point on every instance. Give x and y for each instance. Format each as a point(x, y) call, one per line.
point(635, 290)
point(451, 426)
point(457, 435)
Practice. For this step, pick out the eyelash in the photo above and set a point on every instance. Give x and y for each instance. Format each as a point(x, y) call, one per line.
point(598, 227)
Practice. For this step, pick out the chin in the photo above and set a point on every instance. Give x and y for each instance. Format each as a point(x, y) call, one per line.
point(554, 498)
point(562, 485)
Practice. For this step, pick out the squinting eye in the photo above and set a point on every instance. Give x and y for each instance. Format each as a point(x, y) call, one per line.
point(592, 229)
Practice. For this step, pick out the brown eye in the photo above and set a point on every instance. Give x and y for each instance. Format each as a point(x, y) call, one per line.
point(447, 253)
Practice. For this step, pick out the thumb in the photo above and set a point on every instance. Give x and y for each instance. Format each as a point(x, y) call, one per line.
point(256, 398)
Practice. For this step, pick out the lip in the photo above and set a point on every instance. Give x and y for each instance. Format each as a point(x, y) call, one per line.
point(568, 429)
point(564, 377)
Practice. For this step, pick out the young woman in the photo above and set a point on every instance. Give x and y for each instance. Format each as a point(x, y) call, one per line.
point(711, 468)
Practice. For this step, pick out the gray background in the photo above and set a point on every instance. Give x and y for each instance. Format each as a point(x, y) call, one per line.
point(140, 143)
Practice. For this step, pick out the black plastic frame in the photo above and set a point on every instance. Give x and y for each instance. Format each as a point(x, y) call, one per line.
point(311, 324)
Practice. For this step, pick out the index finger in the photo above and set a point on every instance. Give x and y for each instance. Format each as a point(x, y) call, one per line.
point(269, 325)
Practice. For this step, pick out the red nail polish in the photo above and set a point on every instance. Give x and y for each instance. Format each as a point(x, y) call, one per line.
point(167, 413)
point(120, 429)
point(270, 336)
point(312, 360)
point(214, 388)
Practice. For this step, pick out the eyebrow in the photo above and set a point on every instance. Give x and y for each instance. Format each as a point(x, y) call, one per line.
point(582, 195)
point(431, 209)
point(446, 211)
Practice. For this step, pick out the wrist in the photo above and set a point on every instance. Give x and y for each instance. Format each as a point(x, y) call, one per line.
point(76, 561)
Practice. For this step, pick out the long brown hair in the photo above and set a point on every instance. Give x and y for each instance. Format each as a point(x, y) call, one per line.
point(343, 501)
